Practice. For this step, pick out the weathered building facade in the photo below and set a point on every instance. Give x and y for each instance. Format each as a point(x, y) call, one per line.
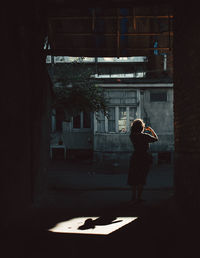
point(152, 102)
point(106, 139)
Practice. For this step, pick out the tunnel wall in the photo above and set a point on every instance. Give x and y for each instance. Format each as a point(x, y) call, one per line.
point(25, 101)
point(187, 106)
point(24, 107)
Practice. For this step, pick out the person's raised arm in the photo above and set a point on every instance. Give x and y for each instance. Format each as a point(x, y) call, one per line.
point(153, 132)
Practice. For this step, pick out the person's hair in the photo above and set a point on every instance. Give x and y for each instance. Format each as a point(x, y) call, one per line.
point(137, 126)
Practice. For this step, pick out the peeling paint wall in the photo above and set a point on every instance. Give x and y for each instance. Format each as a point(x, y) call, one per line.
point(159, 115)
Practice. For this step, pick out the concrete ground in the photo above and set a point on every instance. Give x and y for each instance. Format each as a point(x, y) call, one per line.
point(81, 185)
point(76, 192)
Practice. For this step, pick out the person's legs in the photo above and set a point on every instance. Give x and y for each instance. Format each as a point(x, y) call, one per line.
point(133, 193)
point(139, 191)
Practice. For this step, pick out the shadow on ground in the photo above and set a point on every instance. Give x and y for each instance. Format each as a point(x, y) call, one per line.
point(158, 231)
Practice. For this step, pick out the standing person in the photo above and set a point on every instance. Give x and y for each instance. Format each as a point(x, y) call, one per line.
point(141, 158)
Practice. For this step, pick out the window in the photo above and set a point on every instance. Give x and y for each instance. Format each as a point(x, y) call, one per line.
point(70, 59)
point(111, 119)
point(77, 121)
point(100, 122)
point(86, 120)
point(53, 121)
point(118, 121)
point(59, 119)
point(158, 96)
point(132, 114)
point(122, 122)
point(83, 120)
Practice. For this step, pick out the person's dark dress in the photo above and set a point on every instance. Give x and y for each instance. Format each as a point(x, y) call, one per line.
point(141, 158)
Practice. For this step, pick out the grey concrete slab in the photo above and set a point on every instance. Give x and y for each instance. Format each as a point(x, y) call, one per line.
point(78, 176)
point(75, 187)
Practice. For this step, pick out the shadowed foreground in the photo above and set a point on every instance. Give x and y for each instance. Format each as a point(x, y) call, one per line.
point(159, 228)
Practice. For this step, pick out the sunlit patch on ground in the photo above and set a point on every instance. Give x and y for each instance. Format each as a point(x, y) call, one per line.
point(92, 225)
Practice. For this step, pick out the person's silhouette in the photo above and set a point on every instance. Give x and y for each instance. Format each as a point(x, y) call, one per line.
point(141, 158)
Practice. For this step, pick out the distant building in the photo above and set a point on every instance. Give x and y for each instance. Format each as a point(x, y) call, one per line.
point(153, 102)
point(106, 140)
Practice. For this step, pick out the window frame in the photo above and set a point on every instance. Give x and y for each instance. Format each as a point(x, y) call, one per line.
point(81, 124)
point(96, 122)
point(112, 120)
point(126, 119)
point(128, 122)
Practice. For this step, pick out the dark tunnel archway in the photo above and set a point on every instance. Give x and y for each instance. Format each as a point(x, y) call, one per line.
point(26, 105)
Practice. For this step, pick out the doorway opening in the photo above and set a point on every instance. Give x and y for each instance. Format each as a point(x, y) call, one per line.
point(133, 68)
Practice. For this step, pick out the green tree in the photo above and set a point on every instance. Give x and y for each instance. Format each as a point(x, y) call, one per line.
point(75, 90)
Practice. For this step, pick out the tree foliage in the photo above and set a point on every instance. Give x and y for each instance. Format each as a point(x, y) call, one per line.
point(75, 90)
